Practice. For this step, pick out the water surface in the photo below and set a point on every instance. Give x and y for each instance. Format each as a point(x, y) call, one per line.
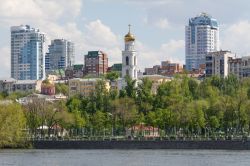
point(124, 158)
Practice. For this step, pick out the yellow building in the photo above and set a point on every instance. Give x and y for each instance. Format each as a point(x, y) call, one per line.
point(157, 80)
point(85, 87)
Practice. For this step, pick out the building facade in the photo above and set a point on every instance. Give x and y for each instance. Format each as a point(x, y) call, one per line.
point(157, 80)
point(84, 87)
point(235, 67)
point(201, 37)
point(96, 63)
point(10, 85)
point(170, 69)
point(61, 55)
point(245, 66)
point(217, 63)
point(129, 57)
point(27, 53)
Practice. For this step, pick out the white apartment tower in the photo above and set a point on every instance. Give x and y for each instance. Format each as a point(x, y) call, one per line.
point(27, 53)
point(129, 57)
point(201, 37)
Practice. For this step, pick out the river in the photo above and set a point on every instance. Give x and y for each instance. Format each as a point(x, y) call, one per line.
point(34, 157)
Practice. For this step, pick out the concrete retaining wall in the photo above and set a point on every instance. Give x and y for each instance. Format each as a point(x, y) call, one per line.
point(224, 145)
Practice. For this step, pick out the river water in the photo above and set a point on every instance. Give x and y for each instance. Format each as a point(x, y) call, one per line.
point(124, 158)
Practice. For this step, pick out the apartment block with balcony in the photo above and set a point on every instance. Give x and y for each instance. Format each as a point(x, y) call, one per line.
point(217, 63)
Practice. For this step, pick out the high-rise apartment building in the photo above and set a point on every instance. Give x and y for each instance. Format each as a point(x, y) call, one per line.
point(96, 63)
point(201, 37)
point(60, 56)
point(27, 53)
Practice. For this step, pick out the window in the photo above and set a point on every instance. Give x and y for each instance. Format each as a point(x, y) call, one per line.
point(134, 60)
point(127, 61)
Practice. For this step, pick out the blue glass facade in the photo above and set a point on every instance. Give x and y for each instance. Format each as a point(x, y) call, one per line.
point(60, 56)
point(27, 55)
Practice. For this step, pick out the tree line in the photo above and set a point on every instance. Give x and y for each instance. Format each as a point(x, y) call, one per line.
point(182, 108)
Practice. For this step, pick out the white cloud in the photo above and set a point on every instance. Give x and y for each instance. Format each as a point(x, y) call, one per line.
point(57, 19)
point(162, 23)
point(5, 61)
point(42, 9)
point(172, 46)
point(100, 35)
point(237, 38)
point(151, 2)
point(172, 50)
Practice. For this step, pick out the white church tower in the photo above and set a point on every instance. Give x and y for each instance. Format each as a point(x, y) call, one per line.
point(129, 57)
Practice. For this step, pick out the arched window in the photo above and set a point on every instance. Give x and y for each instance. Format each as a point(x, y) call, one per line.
point(127, 61)
point(134, 60)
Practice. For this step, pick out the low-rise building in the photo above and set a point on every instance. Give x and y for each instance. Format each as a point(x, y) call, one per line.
point(77, 71)
point(217, 63)
point(157, 80)
point(235, 67)
point(170, 69)
point(48, 88)
point(10, 85)
point(142, 130)
point(154, 70)
point(117, 67)
point(245, 66)
point(6, 85)
point(84, 87)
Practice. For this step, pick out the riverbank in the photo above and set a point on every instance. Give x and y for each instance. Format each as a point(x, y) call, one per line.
point(217, 145)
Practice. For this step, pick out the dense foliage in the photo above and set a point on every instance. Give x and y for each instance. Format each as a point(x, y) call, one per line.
point(182, 108)
point(12, 125)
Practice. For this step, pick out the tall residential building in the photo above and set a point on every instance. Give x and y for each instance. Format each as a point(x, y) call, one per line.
point(129, 57)
point(217, 63)
point(201, 37)
point(27, 53)
point(96, 63)
point(60, 56)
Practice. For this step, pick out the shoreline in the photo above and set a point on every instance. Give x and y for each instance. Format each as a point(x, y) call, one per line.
point(209, 145)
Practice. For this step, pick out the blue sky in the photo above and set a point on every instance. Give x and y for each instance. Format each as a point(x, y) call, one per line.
point(101, 24)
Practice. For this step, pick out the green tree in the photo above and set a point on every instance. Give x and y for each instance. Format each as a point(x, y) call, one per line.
point(12, 125)
point(62, 88)
point(130, 87)
point(112, 76)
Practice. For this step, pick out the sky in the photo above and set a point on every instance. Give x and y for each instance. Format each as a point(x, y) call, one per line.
point(158, 25)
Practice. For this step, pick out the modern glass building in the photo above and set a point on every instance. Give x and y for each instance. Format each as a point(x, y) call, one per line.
point(201, 37)
point(61, 55)
point(27, 53)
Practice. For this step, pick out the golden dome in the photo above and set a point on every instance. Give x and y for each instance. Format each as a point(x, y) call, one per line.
point(129, 37)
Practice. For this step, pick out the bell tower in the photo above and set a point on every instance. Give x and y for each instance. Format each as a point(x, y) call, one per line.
point(129, 56)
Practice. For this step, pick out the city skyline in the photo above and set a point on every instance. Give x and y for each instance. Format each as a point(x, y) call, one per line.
point(160, 35)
